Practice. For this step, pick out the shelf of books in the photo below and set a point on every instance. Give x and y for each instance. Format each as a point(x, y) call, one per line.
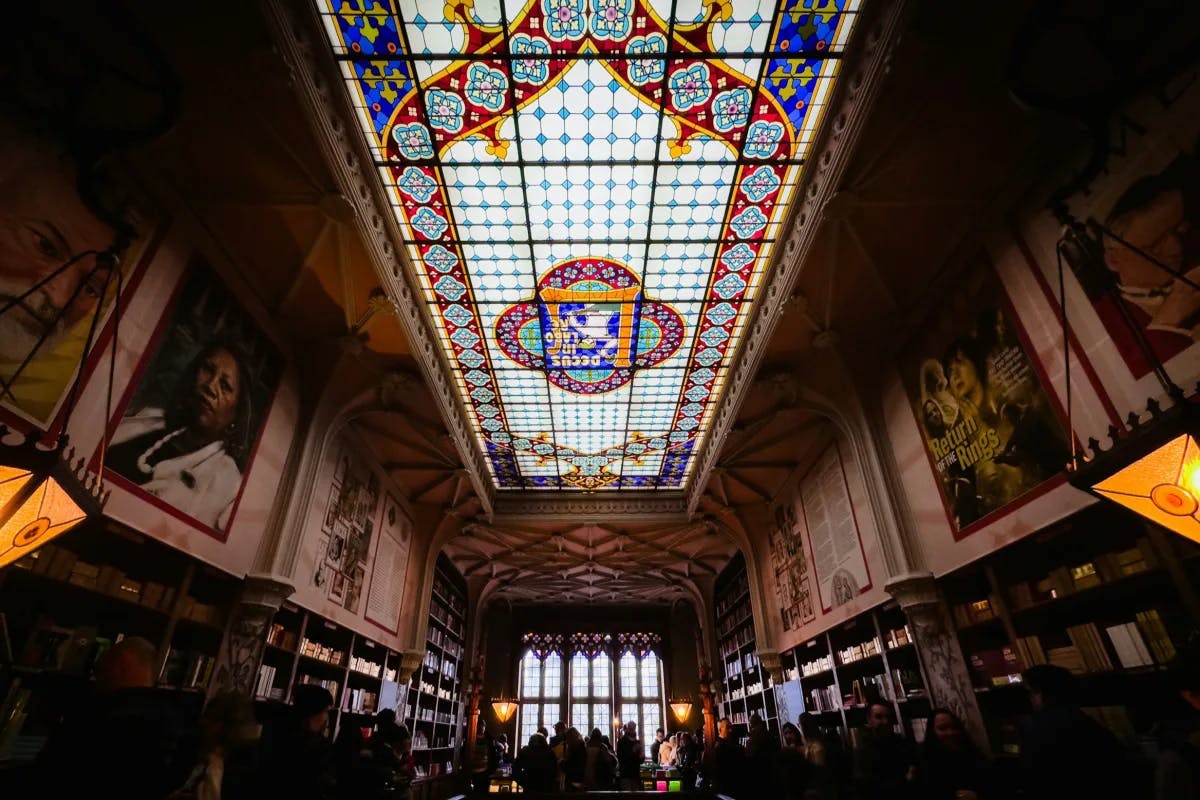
point(303, 647)
point(1099, 594)
point(748, 689)
point(434, 705)
point(67, 602)
point(869, 659)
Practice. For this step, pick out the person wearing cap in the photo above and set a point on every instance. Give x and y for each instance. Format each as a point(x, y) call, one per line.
point(297, 757)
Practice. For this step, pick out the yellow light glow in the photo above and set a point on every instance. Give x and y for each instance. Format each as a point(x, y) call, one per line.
point(32, 512)
point(504, 709)
point(681, 709)
point(1162, 486)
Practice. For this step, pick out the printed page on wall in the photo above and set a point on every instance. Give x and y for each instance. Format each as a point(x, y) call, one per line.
point(44, 226)
point(839, 561)
point(385, 597)
point(790, 564)
point(187, 430)
point(991, 431)
point(347, 529)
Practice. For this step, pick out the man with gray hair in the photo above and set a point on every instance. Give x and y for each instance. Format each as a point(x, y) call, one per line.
point(125, 727)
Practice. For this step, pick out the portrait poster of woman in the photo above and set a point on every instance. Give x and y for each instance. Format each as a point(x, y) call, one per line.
point(44, 225)
point(991, 431)
point(187, 430)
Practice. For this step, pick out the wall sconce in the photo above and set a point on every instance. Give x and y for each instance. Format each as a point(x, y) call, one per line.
point(504, 709)
point(681, 709)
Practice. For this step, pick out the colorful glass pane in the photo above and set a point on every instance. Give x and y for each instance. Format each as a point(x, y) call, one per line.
point(590, 190)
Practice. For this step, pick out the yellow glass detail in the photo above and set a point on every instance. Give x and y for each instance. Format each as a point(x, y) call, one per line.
point(1162, 486)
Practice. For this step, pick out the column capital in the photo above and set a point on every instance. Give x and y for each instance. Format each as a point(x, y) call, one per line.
point(409, 661)
point(913, 590)
point(266, 591)
point(773, 664)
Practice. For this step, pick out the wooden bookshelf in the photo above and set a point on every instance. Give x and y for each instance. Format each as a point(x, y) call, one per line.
point(67, 602)
point(748, 689)
point(433, 710)
point(868, 659)
point(1103, 594)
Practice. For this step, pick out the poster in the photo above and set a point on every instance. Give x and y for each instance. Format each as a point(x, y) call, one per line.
point(347, 528)
point(1149, 196)
point(186, 431)
point(386, 594)
point(43, 226)
point(988, 425)
point(838, 558)
point(788, 559)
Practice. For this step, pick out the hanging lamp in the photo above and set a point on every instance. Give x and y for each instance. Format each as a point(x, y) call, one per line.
point(1152, 463)
point(44, 490)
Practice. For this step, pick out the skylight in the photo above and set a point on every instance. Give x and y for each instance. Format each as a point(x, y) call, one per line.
point(590, 191)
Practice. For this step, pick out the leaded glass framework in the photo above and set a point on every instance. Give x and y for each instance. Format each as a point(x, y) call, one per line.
point(590, 191)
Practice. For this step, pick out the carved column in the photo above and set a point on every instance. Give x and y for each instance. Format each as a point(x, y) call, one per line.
point(946, 674)
point(474, 692)
point(708, 707)
point(241, 649)
point(409, 661)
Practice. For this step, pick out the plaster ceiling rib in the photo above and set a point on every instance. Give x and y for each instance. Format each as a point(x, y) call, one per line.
point(825, 170)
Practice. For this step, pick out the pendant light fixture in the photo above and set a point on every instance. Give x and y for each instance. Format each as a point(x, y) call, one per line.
point(44, 490)
point(1152, 462)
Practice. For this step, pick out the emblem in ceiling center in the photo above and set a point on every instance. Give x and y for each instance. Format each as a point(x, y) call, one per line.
point(589, 327)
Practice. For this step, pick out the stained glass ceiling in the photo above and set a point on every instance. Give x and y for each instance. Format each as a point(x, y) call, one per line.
point(590, 191)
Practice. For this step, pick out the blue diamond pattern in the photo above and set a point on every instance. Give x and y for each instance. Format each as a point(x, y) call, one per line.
point(457, 315)
point(721, 313)
point(464, 337)
point(483, 395)
point(729, 286)
point(487, 410)
point(692, 410)
point(708, 357)
point(450, 288)
point(696, 393)
point(714, 336)
point(491, 424)
point(703, 376)
point(471, 358)
point(477, 377)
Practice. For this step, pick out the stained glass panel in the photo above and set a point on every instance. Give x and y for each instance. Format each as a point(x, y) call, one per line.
point(590, 192)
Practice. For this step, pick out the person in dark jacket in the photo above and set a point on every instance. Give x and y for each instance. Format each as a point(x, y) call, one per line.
point(1177, 770)
point(884, 764)
point(1064, 752)
point(297, 759)
point(952, 768)
point(125, 728)
point(630, 756)
point(536, 768)
point(725, 771)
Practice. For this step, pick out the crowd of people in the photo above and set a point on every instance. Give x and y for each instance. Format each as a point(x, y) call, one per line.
point(127, 729)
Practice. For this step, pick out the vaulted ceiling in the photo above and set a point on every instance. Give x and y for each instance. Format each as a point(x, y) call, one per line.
point(943, 156)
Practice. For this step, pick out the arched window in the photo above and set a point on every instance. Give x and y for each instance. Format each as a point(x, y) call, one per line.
point(591, 692)
point(641, 690)
point(541, 694)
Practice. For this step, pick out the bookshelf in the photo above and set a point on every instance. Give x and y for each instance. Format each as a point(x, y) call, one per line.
point(433, 710)
point(870, 658)
point(67, 602)
point(1101, 594)
point(748, 688)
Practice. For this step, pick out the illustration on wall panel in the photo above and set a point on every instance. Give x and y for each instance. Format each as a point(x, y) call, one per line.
point(191, 420)
point(839, 562)
point(44, 225)
point(988, 424)
point(347, 528)
point(790, 563)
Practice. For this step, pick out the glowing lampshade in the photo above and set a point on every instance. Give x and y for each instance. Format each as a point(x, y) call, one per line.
point(33, 510)
point(504, 709)
point(681, 709)
point(1163, 486)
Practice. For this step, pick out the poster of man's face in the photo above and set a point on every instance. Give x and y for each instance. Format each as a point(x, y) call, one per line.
point(192, 418)
point(1148, 198)
point(43, 226)
point(988, 424)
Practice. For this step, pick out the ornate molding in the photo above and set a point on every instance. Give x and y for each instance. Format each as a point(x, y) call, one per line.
point(914, 590)
point(853, 99)
point(410, 660)
point(559, 508)
point(266, 591)
point(773, 664)
point(295, 26)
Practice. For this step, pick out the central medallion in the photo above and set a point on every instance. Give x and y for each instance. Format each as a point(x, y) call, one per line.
point(589, 327)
